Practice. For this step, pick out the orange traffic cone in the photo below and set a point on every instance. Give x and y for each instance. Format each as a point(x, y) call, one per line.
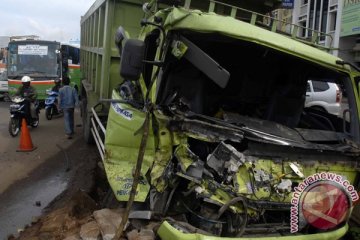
point(25, 139)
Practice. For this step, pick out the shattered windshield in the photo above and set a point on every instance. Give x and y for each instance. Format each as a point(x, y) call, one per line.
point(259, 89)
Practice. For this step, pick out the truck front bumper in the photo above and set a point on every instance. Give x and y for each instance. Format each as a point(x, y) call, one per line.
point(166, 232)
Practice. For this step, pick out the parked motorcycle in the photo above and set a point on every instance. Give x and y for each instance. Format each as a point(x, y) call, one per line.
point(18, 112)
point(51, 108)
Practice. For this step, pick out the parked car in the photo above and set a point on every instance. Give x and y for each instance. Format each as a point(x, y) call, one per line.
point(3, 84)
point(324, 96)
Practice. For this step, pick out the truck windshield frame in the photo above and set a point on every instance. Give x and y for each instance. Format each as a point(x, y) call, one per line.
point(274, 88)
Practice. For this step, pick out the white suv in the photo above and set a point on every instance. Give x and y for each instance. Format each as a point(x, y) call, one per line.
point(3, 82)
point(325, 96)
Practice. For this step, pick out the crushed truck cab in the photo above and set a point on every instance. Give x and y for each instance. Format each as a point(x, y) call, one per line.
point(213, 108)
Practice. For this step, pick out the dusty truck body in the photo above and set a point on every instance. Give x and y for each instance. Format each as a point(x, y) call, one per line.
point(209, 111)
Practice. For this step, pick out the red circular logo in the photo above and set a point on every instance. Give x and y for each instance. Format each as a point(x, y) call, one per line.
point(325, 205)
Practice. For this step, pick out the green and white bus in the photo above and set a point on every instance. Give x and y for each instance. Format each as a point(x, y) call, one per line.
point(38, 59)
point(44, 62)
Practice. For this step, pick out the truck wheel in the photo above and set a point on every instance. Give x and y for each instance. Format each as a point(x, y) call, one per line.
point(88, 137)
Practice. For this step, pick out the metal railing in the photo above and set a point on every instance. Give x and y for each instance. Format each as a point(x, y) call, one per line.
point(98, 130)
point(272, 24)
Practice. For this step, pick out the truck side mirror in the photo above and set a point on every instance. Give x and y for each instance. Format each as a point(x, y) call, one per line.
point(132, 59)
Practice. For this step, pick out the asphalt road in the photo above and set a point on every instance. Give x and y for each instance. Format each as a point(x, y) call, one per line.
point(44, 137)
point(30, 180)
point(46, 128)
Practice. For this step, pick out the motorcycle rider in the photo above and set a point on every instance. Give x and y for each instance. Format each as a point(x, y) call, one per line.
point(29, 93)
point(57, 85)
point(56, 88)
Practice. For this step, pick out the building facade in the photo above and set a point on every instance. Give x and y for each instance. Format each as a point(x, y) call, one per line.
point(337, 23)
point(350, 31)
point(4, 41)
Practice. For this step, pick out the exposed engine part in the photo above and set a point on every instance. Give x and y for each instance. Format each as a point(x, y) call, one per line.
point(199, 189)
point(295, 167)
point(196, 169)
point(260, 204)
point(158, 200)
point(232, 165)
point(225, 160)
point(261, 177)
point(240, 229)
point(185, 157)
point(204, 217)
point(284, 186)
point(170, 198)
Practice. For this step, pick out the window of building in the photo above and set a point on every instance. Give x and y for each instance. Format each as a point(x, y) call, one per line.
point(324, 19)
point(302, 30)
point(332, 21)
point(311, 17)
point(333, 8)
point(317, 15)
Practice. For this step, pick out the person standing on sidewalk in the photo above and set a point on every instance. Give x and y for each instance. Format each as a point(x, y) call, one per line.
point(68, 101)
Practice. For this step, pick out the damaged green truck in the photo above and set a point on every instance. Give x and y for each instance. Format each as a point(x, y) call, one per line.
point(207, 120)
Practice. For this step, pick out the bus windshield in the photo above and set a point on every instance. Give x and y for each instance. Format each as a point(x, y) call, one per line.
point(33, 58)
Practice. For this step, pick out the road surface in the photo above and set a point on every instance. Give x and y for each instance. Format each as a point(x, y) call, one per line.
point(30, 180)
point(17, 165)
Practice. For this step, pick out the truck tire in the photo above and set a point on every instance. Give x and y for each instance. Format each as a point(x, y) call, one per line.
point(88, 137)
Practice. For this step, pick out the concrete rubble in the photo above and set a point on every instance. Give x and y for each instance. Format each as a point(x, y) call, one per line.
point(108, 221)
point(80, 219)
point(90, 231)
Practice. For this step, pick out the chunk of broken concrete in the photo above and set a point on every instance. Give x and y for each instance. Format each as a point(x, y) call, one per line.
point(108, 221)
point(144, 234)
point(90, 231)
